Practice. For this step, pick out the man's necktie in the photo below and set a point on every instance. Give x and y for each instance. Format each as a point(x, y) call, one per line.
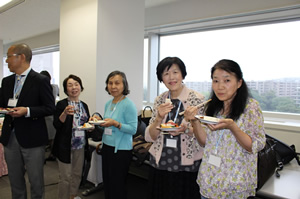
point(19, 85)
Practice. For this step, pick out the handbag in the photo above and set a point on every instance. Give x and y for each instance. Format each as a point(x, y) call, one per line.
point(266, 163)
point(141, 149)
point(286, 153)
point(141, 127)
point(273, 158)
point(146, 115)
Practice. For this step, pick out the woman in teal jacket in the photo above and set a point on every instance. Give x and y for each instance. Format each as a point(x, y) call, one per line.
point(120, 118)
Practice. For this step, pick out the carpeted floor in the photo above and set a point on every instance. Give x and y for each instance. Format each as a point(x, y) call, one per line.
point(137, 184)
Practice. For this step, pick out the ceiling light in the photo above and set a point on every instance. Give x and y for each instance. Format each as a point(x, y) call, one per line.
point(8, 4)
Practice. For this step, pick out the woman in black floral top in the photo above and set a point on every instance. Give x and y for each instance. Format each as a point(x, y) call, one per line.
point(70, 142)
point(175, 155)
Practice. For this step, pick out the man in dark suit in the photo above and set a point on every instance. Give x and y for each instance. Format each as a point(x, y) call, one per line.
point(24, 132)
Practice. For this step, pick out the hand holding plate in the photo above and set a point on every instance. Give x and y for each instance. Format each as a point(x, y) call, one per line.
point(18, 112)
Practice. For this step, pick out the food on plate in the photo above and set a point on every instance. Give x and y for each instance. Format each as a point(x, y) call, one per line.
point(6, 109)
point(95, 119)
point(169, 124)
point(86, 125)
point(168, 101)
point(207, 119)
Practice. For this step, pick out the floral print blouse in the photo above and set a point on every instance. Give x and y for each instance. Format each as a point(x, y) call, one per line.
point(79, 118)
point(237, 175)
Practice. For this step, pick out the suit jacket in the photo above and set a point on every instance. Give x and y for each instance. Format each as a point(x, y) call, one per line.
point(36, 94)
point(62, 142)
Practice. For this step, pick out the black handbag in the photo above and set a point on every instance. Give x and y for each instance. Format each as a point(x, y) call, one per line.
point(141, 127)
point(140, 149)
point(266, 163)
point(146, 117)
point(286, 153)
point(272, 159)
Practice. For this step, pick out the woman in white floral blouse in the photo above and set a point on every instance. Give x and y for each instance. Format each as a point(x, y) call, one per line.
point(229, 163)
point(175, 155)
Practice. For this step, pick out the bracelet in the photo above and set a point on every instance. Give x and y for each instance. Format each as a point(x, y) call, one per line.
point(119, 125)
point(186, 130)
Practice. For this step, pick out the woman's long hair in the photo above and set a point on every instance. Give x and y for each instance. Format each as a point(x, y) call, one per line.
point(239, 102)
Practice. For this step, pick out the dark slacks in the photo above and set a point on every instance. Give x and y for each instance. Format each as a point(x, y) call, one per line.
point(172, 185)
point(20, 160)
point(115, 168)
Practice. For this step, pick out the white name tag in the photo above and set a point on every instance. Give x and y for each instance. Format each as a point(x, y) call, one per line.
point(108, 131)
point(171, 143)
point(79, 133)
point(214, 160)
point(12, 102)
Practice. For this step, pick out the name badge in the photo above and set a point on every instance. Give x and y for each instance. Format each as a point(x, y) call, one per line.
point(79, 133)
point(108, 131)
point(12, 102)
point(214, 160)
point(171, 143)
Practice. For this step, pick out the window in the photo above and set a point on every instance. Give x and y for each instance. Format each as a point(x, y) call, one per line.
point(282, 120)
point(145, 69)
point(267, 54)
point(42, 59)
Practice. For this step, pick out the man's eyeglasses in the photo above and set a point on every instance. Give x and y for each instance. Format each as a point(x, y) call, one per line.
point(12, 55)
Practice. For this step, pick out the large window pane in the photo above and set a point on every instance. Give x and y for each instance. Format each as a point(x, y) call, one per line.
point(145, 69)
point(45, 61)
point(267, 54)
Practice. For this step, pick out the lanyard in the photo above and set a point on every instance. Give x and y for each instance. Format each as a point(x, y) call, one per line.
point(114, 107)
point(176, 111)
point(217, 145)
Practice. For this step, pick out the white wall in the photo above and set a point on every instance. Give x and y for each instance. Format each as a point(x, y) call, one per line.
point(98, 37)
point(1, 64)
point(47, 39)
point(78, 36)
point(120, 47)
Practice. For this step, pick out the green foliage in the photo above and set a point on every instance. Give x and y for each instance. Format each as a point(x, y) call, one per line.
point(270, 102)
point(206, 95)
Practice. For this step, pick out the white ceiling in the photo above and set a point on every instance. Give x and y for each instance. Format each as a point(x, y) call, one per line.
point(36, 17)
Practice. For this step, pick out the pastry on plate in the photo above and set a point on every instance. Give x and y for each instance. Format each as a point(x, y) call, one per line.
point(169, 124)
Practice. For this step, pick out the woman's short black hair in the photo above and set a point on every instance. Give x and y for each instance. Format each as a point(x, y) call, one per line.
point(46, 73)
point(126, 90)
point(167, 63)
point(76, 78)
point(239, 102)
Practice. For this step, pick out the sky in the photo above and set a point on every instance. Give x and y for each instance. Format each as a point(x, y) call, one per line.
point(263, 52)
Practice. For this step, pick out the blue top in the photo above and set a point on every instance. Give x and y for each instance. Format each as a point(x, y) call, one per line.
point(125, 113)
